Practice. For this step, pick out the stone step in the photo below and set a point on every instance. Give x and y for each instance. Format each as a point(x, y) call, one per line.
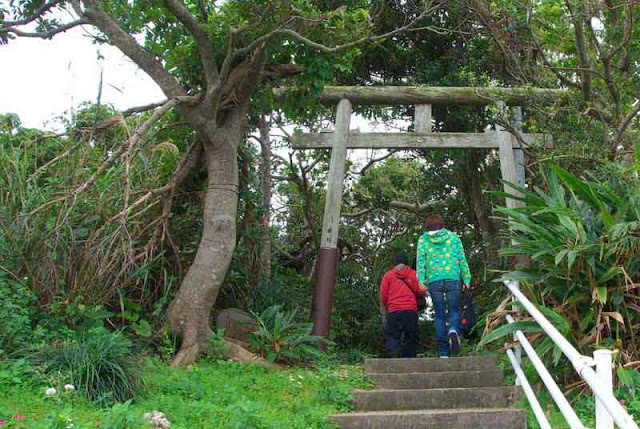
point(378, 366)
point(434, 380)
point(498, 418)
point(429, 399)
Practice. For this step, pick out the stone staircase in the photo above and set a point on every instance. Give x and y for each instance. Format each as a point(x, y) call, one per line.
point(449, 393)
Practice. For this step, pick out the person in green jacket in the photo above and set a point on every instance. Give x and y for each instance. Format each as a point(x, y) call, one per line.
point(443, 267)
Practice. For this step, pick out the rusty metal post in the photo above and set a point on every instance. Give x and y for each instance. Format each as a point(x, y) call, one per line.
point(327, 263)
point(326, 271)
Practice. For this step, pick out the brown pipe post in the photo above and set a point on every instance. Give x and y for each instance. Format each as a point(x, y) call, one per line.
point(326, 270)
point(327, 263)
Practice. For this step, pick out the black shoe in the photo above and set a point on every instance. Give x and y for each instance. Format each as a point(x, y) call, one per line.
point(454, 343)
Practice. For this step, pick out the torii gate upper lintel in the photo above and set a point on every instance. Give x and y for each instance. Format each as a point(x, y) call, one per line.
point(510, 153)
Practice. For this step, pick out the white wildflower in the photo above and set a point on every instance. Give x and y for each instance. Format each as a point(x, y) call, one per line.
point(69, 387)
point(50, 391)
point(157, 419)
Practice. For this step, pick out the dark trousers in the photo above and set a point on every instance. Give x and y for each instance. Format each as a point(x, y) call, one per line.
point(401, 334)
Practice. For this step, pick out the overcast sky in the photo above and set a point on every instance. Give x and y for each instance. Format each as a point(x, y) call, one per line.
point(42, 79)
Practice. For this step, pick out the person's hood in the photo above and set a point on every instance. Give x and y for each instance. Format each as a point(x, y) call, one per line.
point(403, 273)
point(439, 236)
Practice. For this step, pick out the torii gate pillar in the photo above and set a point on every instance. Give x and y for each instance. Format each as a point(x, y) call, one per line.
point(327, 263)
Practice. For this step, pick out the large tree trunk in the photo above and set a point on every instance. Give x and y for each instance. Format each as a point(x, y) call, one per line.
point(481, 209)
point(264, 256)
point(221, 134)
point(189, 311)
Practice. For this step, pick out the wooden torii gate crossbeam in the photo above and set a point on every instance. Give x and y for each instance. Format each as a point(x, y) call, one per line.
point(510, 153)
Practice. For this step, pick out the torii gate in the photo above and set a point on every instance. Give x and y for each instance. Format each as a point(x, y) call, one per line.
point(510, 153)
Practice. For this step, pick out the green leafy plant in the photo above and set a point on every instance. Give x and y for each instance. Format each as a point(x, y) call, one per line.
point(16, 314)
point(582, 236)
point(281, 338)
point(217, 347)
point(242, 414)
point(121, 416)
point(14, 372)
point(59, 419)
point(101, 364)
point(629, 381)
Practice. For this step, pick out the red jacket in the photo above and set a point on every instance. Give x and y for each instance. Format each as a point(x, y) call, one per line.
point(395, 294)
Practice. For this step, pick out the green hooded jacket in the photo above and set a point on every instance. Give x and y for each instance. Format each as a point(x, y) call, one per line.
point(441, 257)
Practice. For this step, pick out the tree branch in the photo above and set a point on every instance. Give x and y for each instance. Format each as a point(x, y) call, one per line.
point(625, 61)
point(338, 48)
point(142, 109)
point(41, 169)
point(415, 208)
point(138, 133)
point(282, 30)
point(371, 162)
point(578, 19)
point(534, 38)
point(626, 122)
point(203, 42)
point(37, 14)
point(411, 207)
point(358, 214)
point(311, 166)
point(180, 173)
point(45, 34)
point(128, 45)
point(186, 99)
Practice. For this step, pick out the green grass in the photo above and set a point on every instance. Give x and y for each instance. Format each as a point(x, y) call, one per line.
point(211, 395)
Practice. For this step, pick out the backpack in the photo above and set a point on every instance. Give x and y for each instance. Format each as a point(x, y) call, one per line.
point(421, 300)
point(468, 316)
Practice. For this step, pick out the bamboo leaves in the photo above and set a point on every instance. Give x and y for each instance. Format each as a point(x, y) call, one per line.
point(583, 237)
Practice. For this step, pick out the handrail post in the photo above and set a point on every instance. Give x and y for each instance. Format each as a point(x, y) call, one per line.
point(582, 364)
point(518, 157)
point(603, 359)
point(518, 347)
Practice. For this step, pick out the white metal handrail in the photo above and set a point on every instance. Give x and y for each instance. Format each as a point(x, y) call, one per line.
point(528, 391)
point(557, 395)
point(608, 408)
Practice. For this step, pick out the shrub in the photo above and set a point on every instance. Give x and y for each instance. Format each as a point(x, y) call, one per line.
point(14, 372)
point(16, 312)
point(101, 365)
point(280, 337)
point(121, 416)
point(59, 419)
point(217, 347)
point(583, 238)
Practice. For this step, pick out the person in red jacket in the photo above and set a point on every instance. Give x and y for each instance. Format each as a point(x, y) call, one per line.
point(398, 290)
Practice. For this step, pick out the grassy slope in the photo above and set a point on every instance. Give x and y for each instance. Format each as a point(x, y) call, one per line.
point(212, 395)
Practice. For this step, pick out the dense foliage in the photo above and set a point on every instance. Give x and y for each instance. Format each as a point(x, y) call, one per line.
point(582, 237)
point(280, 337)
point(102, 365)
point(99, 225)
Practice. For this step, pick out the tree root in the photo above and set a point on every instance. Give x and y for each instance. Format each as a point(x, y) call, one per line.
point(186, 356)
point(238, 353)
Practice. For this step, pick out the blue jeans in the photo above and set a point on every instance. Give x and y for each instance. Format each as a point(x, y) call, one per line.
point(439, 290)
